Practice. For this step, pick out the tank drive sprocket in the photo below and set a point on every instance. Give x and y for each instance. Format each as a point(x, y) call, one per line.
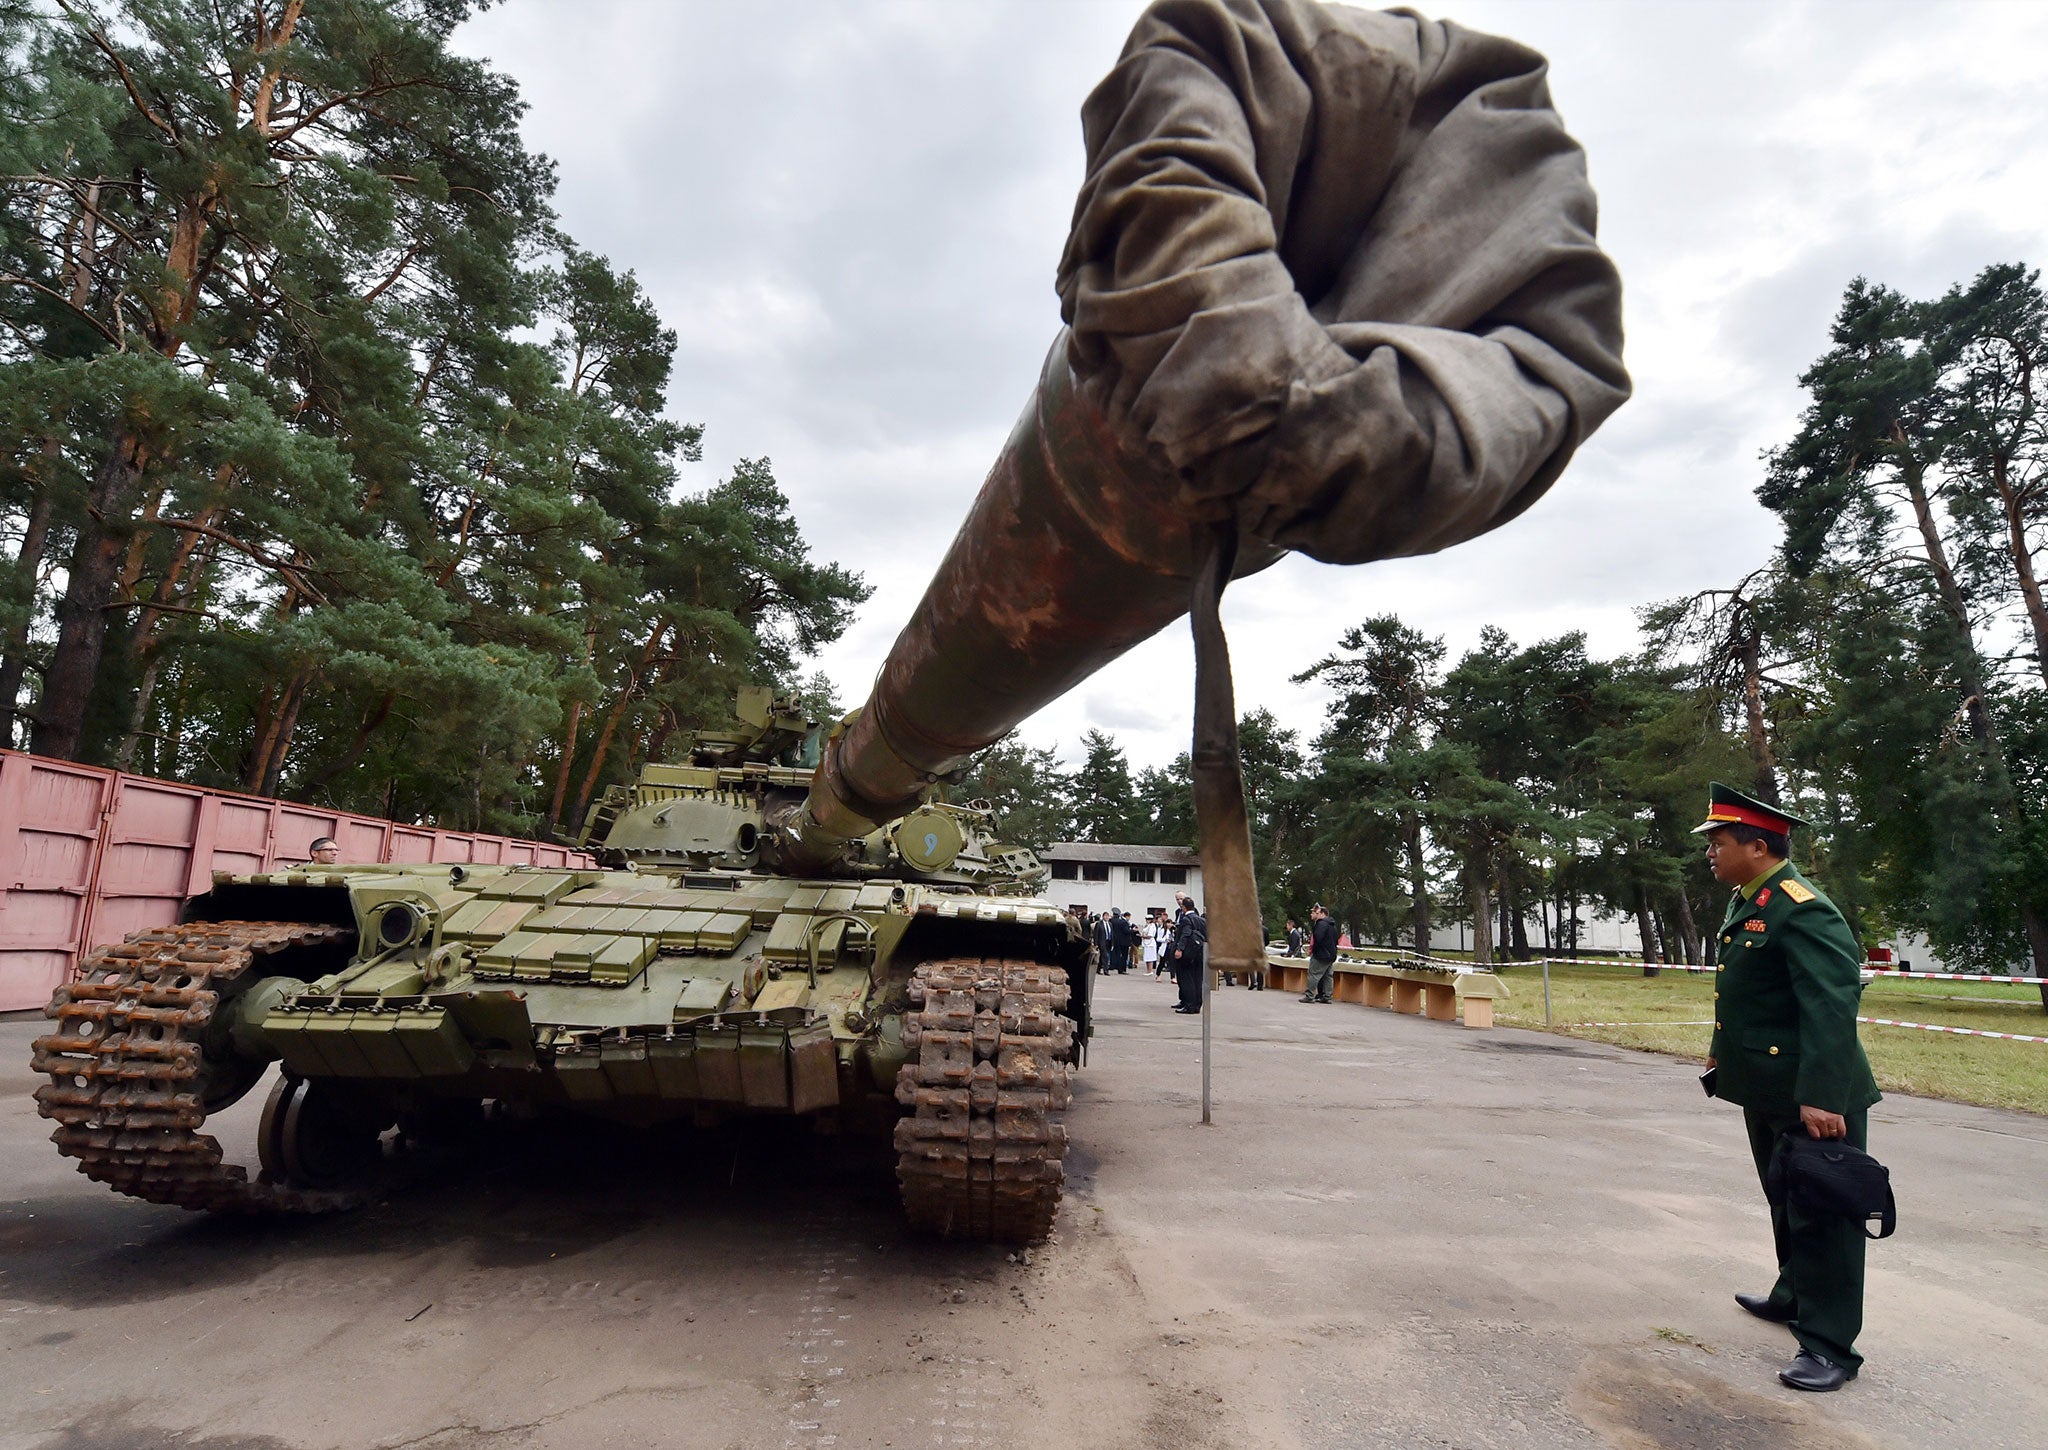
point(131, 1081)
point(981, 1153)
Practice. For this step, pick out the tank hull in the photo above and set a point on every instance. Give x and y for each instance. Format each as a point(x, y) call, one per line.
point(943, 1017)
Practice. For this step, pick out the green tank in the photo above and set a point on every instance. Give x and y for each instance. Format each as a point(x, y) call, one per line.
point(913, 984)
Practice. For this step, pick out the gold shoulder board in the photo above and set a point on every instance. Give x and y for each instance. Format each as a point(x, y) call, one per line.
point(1797, 892)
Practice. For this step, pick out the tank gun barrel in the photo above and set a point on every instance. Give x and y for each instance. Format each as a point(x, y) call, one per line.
point(1333, 287)
point(1072, 554)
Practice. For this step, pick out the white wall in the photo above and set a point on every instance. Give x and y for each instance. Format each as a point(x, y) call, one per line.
point(1136, 898)
point(1598, 936)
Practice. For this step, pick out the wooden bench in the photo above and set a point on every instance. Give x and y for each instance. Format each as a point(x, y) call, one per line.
point(1442, 994)
point(1285, 973)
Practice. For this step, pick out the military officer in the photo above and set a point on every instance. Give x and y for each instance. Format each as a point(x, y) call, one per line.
point(1788, 979)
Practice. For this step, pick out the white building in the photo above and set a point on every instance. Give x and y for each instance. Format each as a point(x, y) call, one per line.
point(1599, 935)
point(1087, 876)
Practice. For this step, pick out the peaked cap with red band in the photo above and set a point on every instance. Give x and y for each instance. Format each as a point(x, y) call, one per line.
point(1728, 806)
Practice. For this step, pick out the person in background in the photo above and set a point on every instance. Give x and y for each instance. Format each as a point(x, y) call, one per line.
point(1123, 936)
point(1148, 946)
point(1297, 939)
point(1322, 955)
point(1162, 938)
point(325, 851)
point(1190, 950)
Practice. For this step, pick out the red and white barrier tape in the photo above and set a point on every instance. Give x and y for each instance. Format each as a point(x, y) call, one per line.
point(1618, 962)
point(1668, 1022)
point(1958, 976)
point(1958, 1031)
point(1869, 971)
point(1875, 1021)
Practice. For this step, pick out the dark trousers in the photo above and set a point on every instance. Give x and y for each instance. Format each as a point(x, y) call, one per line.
point(1820, 1260)
point(1189, 975)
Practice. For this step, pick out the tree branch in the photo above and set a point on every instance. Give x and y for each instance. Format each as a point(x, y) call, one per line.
point(290, 573)
point(106, 48)
point(342, 100)
point(403, 262)
point(56, 296)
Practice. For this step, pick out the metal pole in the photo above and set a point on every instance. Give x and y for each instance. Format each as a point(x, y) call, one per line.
point(1208, 993)
point(1546, 992)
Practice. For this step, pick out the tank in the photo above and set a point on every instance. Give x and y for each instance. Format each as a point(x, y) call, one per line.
point(920, 988)
point(1332, 287)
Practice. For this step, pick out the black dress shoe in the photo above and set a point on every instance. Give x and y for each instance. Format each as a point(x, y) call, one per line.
point(1761, 1306)
point(1808, 1371)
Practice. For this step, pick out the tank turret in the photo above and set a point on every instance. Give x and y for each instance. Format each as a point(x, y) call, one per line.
point(710, 813)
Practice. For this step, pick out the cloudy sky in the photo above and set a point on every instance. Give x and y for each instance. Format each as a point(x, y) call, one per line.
point(851, 213)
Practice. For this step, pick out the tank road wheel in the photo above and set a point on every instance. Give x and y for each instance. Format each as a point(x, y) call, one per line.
point(130, 1077)
point(319, 1135)
point(981, 1153)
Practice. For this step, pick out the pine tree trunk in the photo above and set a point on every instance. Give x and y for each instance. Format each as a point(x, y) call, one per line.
point(617, 713)
point(1482, 918)
point(1764, 768)
point(1689, 930)
point(2023, 559)
point(562, 772)
point(1647, 934)
point(2037, 947)
point(295, 699)
point(274, 735)
point(1418, 886)
point(1976, 708)
point(138, 716)
point(28, 564)
point(145, 645)
point(103, 536)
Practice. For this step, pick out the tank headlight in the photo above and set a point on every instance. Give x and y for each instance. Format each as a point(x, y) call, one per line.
point(400, 924)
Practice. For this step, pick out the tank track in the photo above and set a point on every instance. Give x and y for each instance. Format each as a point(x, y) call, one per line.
point(981, 1153)
point(129, 1078)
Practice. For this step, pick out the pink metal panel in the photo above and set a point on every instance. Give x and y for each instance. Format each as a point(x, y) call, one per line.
point(362, 839)
point(145, 856)
point(88, 855)
point(296, 829)
point(411, 845)
point(51, 814)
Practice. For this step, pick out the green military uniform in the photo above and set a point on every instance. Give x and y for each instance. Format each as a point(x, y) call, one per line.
point(1786, 989)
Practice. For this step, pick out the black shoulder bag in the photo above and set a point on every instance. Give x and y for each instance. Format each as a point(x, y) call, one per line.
point(1830, 1178)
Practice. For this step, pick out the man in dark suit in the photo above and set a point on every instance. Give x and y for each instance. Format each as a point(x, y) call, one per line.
point(1189, 952)
point(1788, 980)
point(1322, 955)
point(1121, 938)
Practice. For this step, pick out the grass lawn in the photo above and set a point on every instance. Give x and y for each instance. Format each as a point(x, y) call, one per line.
point(1667, 1013)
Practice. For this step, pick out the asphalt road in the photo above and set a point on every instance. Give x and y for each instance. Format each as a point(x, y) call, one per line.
point(1397, 1233)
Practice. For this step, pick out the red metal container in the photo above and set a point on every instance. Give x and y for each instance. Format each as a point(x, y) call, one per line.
point(88, 855)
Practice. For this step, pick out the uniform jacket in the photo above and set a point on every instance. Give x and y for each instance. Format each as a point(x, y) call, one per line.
point(1785, 994)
